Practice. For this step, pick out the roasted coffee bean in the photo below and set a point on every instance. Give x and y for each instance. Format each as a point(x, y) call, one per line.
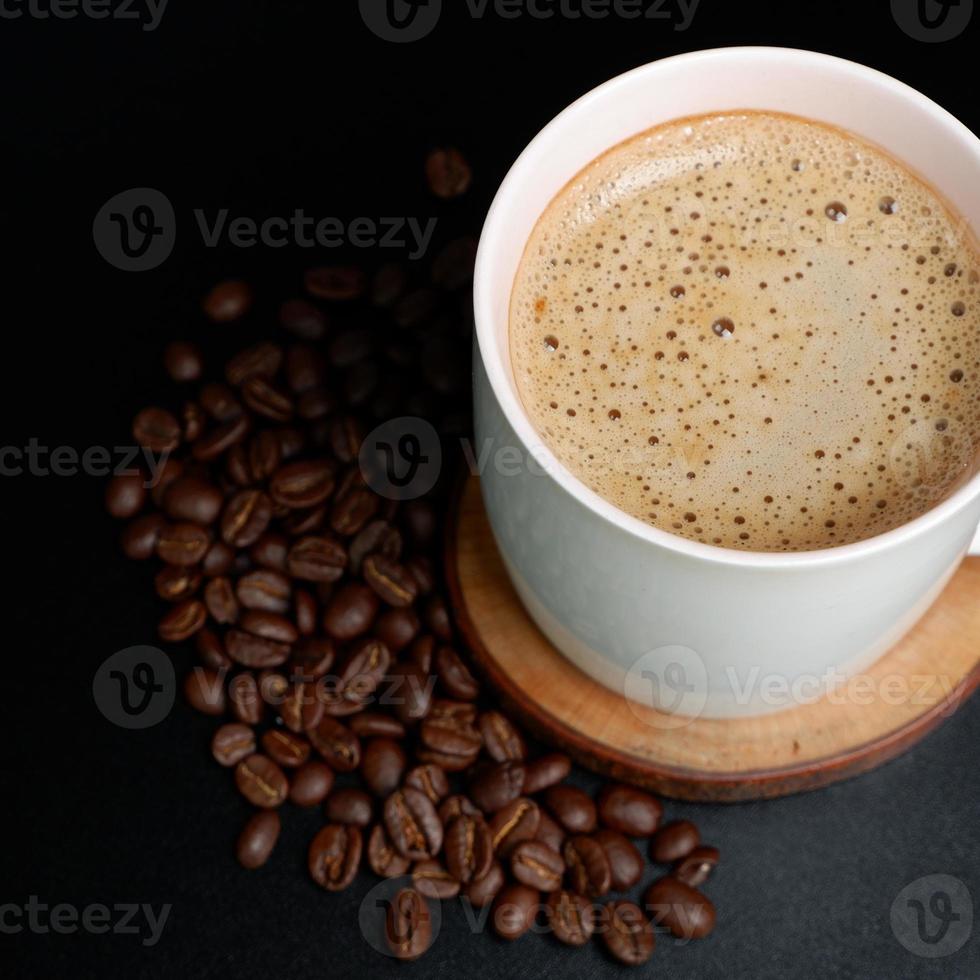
point(270, 552)
point(548, 770)
point(431, 879)
point(376, 538)
point(408, 926)
point(501, 739)
point(304, 612)
point(264, 589)
point(261, 781)
point(246, 517)
point(315, 404)
point(237, 470)
point(338, 745)
point(232, 743)
point(363, 669)
point(264, 454)
point(334, 856)
point(588, 867)
point(193, 499)
point(674, 840)
point(496, 785)
point(349, 805)
point(298, 696)
point(169, 470)
point(422, 652)
point(312, 657)
point(628, 935)
point(302, 485)
point(269, 626)
point(682, 909)
point(125, 495)
point(449, 737)
point(382, 856)
point(204, 689)
point(396, 628)
point(422, 571)
point(350, 611)
point(346, 434)
point(298, 523)
point(536, 864)
point(139, 539)
point(516, 822)
point(336, 282)
point(455, 806)
point(696, 867)
point(437, 618)
point(228, 301)
point(254, 651)
point(571, 917)
point(302, 319)
point(550, 832)
point(625, 861)
point(628, 810)
point(311, 783)
point(383, 763)
point(468, 848)
point(447, 172)
point(371, 723)
point(220, 402)
point(182, 544)
point(262, 360)
point(393, 584)
point(246, 702)
point(211, 651)
point(218, 559)
point(411, 692)
point(482, 891)
point(273, 686)
point(258, 839)
point(572, 808)
point(317, 559)
point(304, 368)
point(428, 779)
point(454, 675)
point(514, 910)
point(157, 430)
point(350, 512)
point(412, 824)
point(267, 400)
point(220, 599)
point(285, 748)
point(192, 420)
point(221, 438)
point(183, 361)
point(174, 583)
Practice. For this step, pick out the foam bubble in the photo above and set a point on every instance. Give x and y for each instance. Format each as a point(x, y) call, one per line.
point(753, 331)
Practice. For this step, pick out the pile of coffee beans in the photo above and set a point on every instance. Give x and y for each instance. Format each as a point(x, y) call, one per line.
point(325, 643)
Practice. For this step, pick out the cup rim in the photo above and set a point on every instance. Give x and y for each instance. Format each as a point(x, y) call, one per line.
point(495, 226)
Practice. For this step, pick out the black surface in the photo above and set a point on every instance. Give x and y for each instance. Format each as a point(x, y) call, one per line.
point(264, 107)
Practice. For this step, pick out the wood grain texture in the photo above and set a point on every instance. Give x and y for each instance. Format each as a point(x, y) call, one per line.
point(911, 690)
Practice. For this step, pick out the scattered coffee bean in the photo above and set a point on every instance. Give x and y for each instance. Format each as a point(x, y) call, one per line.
point(674, 841)
point(334, 856)
point(448, 173)
point(311, 783)
point(232, 742)
point(204, 689)
point(261, 781)
point(408, 925)
point(572, 808)
point(625, 861)
point(628, 935)
point(548, 770)
point(183, 361)
point(550, 832)
point(682, 909)
point(516, 822)
point(125, 495)
point(139, 539)
point(288, 750)
point(571, 917)
point(228, 301)
point(493, 787)
point(431, 879)
point(534, 863)
point(588, 867)
point(383, 858)
point(454, 675)
point(481, 891)
point(628, 810)
point(501, 739)
point(174, 584)
point(258, 839)
point(349, 805)
point(246, 702)
point(514, 910)
point(157, 430)
point(182, 544)
point(468, 847)
point(696, 867)
point(182, 621)
point(413, 824)
point(383, 763)
point(339, 746)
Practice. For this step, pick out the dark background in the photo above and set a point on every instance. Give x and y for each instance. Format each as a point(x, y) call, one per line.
point(264, 107)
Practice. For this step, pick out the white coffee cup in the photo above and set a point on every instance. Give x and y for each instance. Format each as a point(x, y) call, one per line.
point(622, 599)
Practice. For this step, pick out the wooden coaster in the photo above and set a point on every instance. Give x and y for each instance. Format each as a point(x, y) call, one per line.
point(802, 748)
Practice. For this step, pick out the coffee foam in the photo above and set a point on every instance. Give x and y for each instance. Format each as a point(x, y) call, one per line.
point(753, 331)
